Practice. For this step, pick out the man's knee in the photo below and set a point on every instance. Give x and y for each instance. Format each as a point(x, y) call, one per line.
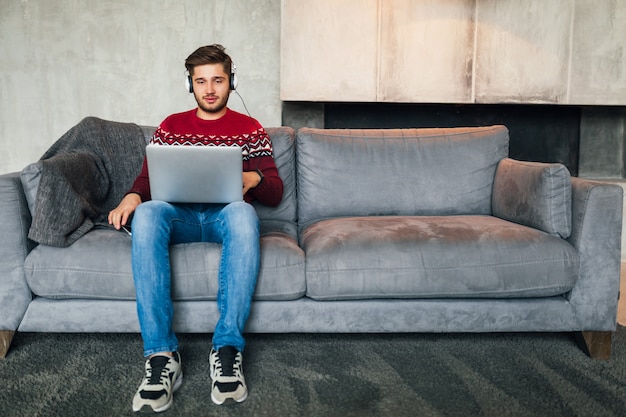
point(149, 212)
point(241, 216)
point(241, 210)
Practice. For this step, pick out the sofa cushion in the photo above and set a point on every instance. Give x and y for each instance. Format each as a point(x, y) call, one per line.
point(283, 217)
point(30, 177)
point(98, 266)
point(534, 194)
point(343, 172)
point(434, 257)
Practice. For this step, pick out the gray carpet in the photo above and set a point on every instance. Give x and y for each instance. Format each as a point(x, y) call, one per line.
point(327, 375)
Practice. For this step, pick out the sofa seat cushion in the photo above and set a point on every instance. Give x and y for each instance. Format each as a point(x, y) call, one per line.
point(434, 256)
point(98, 266)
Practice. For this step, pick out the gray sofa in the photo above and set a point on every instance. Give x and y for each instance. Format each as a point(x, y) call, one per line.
point(403, 230)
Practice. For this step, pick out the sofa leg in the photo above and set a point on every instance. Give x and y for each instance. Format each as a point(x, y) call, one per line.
point(6, 336)
point(597, 344)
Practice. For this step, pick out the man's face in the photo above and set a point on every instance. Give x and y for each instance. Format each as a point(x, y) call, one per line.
point(211, 88)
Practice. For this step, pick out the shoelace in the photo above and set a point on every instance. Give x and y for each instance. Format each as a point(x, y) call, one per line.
point(157, 370)
point(226, 364)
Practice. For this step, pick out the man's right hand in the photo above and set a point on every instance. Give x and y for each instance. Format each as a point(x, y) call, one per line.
point(119, 215)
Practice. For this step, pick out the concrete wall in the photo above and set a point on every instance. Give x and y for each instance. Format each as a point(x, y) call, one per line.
point(454, 51)
point(122, 60)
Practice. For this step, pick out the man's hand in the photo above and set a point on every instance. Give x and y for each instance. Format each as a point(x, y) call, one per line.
point(250, 180)
point(119, 215)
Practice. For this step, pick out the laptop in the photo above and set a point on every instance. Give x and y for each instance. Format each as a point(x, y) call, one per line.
point(195, 174)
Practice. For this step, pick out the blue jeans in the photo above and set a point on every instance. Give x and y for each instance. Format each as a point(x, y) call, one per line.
point(157, 225)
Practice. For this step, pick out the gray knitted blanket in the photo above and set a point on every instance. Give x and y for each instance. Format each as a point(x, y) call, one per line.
point(84, 175)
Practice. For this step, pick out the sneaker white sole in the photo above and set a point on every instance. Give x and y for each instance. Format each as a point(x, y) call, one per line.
point(240, 400)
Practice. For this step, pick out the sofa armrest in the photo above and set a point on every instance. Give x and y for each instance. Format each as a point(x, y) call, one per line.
point(596, 234)
point(15, 294)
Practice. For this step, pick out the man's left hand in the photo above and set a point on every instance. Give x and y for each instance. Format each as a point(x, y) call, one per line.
point(250, 180)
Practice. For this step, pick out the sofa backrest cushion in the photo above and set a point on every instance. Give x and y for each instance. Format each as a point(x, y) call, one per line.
point(440, 171)
point(275, 218)
point(534, 194)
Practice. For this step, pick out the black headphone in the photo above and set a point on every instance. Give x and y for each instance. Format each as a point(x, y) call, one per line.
point(232, 79)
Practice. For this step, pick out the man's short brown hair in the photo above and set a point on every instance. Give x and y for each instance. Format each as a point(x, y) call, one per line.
point(210, 54)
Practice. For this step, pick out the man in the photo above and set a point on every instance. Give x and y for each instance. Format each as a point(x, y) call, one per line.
point(157, 224)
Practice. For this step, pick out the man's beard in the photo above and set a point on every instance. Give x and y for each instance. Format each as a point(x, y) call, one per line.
point(216, 107)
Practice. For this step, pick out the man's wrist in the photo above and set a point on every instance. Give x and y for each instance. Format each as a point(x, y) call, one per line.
point(261, 176)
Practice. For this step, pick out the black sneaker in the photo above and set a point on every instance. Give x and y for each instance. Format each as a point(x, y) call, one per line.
point(163, 376)
point(227, 375)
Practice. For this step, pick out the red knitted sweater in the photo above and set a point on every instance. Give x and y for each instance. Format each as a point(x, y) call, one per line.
point(233, 129)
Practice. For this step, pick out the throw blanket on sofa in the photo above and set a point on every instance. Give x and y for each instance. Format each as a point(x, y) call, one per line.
point(82, 177)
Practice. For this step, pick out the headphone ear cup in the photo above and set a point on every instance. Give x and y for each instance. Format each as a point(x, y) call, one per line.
point(233, 81)
point(233, 76)
point(189, 84)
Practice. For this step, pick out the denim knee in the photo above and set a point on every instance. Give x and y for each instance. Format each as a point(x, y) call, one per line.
point(242, 217)
point(149, 212)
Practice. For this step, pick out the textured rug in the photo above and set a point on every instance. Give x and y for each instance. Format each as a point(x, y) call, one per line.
point(343, 375)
